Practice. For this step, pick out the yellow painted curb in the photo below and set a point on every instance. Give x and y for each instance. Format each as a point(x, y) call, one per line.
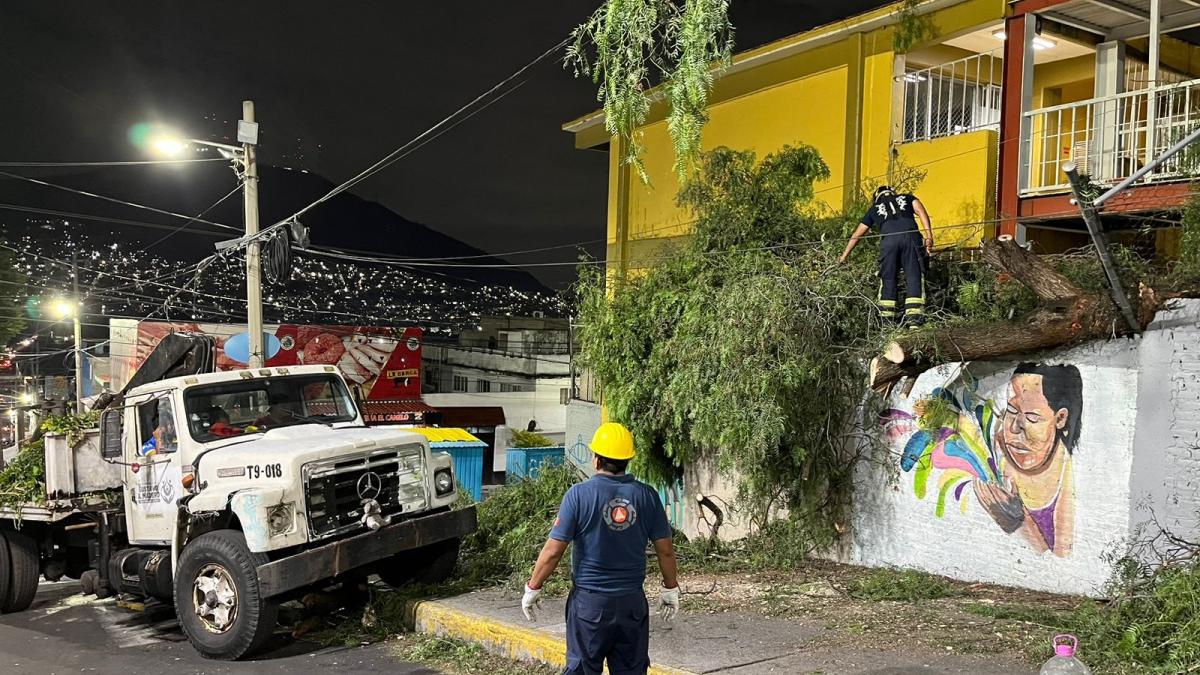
point(508, 640)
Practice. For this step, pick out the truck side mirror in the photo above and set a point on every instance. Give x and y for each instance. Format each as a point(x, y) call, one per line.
point(111, 425)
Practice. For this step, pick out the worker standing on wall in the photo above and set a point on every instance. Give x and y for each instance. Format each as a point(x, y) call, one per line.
point(895, 216)
point(609, 518)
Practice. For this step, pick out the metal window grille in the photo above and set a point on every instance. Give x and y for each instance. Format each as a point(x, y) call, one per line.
point(953, 98)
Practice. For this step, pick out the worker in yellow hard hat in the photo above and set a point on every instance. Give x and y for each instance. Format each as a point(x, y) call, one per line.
point(609, 518)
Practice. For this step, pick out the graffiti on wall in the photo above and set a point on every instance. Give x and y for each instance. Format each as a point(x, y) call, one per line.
point(1013, 456)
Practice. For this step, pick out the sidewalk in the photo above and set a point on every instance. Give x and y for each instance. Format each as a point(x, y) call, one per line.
point(696, 643)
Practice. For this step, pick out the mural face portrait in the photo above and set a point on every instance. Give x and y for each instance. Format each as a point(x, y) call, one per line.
point(1030, 428)
point(1014, 453)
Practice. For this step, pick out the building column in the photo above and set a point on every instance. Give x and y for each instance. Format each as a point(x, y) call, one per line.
point(852, 174)
point(1110, 81)
point(1014, 126)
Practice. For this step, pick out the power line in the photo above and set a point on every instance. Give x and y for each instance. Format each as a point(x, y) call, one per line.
point(113, 200)
point(194, 219)
point(420, 139)
point(127, 163)
point(102, 219)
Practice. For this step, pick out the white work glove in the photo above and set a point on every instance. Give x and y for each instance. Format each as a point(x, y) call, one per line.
point(668, 603)
point(531, 602)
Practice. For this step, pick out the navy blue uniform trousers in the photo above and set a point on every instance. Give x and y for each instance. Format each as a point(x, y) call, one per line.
point(902, 248)
point(613, 627)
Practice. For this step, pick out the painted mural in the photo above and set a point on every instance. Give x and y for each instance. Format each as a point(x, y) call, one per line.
point(1013, 456)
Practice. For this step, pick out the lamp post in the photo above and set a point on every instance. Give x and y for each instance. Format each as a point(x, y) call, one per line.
point(69, 308)
point(246, 158)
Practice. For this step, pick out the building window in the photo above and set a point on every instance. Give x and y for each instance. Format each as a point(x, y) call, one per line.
point(483, 386)
point(460, 383)
point(506, 387)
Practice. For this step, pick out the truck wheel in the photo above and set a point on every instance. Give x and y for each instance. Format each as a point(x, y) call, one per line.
point(5, 568)
point(427, 565)
point(217, 596)
point(24, 561)
point(87, 582)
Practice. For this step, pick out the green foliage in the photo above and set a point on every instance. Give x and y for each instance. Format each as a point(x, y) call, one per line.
point(901, 585)
point(530, 439)
point(23, 480)
point(912, 27)
point(1152, 625)
point(744, 347)
point(464, 658)
point(935, 412)
point(72, 426)
point(513, 526)
point(778, 545)
point(12, 299)
point(627, 45)
point(1187, 267)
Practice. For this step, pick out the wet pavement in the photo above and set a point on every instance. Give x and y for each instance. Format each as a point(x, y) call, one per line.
point(65, 632)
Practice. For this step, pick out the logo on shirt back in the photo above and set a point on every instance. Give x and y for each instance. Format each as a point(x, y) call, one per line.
point(619, 514)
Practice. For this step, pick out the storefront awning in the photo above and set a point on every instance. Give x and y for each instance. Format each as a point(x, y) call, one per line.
point(395, 411)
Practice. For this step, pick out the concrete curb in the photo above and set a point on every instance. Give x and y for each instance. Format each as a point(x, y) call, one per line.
point(500, 637)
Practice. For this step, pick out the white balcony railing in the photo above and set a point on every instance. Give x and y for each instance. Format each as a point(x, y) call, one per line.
point(952, 98)
point(1110, 137)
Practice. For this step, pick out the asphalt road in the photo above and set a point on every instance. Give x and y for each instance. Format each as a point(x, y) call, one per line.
point(65, 632)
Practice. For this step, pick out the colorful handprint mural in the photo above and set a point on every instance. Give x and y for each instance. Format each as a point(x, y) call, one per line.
point(1015, 457)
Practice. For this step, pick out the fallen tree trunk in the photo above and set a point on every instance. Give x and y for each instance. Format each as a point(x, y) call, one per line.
point(1067, 315)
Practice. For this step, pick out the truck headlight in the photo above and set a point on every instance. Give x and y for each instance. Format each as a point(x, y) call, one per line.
point(280, 519)
point(443, 482)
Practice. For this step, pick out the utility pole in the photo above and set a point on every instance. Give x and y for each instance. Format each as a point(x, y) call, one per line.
point(254, 318)
point(1090, 218)
point(75, 312)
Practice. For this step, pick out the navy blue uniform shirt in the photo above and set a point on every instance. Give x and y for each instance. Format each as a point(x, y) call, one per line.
point(898, 207)
point(609, 519)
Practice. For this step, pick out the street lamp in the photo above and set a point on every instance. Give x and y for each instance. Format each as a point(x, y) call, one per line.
point(245, 157)
point(67, 308)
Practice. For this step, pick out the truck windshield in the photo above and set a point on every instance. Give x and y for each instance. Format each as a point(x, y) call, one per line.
point(250, 406)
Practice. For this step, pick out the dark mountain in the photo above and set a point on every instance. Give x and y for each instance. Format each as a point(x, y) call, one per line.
point(345, 222)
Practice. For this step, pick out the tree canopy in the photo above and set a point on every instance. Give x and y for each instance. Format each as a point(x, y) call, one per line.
point(744, 345)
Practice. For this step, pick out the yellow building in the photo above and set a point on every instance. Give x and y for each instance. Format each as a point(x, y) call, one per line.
point(990, 109)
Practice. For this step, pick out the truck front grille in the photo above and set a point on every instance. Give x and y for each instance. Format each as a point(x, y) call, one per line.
point(334, 489)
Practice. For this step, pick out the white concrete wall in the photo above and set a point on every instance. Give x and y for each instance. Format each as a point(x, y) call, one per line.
point(1138, 449)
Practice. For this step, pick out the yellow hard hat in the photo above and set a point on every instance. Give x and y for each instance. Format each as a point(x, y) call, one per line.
point(613, 441)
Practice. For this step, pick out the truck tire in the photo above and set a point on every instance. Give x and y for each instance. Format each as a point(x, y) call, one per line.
point(87, 582)
point(25, 565)
point(217, 598)
point(427, 565)
point(5, 567)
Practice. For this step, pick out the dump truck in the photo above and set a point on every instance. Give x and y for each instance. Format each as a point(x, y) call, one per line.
point(228, 493)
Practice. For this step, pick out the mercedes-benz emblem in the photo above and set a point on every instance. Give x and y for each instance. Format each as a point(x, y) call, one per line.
point(369, 485)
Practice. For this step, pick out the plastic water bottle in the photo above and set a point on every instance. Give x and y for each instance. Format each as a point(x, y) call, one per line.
point(1064, 662)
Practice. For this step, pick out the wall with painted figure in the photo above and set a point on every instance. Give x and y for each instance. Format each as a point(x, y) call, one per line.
point(1033, 472)
point(1012, 472)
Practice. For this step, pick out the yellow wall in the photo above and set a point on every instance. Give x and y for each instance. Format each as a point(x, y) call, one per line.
point(763, 123)
point(959, 185)
point(809, 97)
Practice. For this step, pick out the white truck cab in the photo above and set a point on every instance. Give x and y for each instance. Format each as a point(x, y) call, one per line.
point(241, 488)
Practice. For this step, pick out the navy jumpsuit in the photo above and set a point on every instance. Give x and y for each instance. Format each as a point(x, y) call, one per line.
point(609, 519)
point(902, 247)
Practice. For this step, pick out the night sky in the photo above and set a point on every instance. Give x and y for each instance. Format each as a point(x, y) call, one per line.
point(337, 85)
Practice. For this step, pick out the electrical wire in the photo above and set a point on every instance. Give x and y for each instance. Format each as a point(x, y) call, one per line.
point(425, 136)
point(124, 163)
point(113, 200)
point(194, 219)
